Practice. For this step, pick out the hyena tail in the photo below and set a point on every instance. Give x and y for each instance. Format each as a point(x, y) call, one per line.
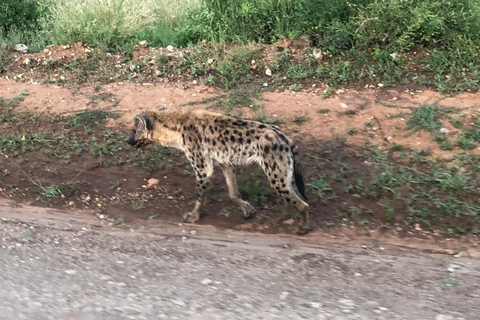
point(297, 172)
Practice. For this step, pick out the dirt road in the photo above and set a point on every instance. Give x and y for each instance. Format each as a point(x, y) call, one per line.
point(71, 265)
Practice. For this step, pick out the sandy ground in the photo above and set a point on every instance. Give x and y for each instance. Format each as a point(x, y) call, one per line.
point(70, 265)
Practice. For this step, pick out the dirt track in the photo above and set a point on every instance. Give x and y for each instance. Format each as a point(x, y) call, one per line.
point(70, 265)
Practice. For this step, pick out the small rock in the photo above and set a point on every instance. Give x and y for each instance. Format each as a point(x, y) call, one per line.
point(179, 303)
point(399, 229)
point(268, 72)
point(289, 222)
point(193, 232)
point(71, 203)
point(70, 271)
point(315, 305)
point(317, 54)
point(210, 61)
point(184, 238)
point(195, 82)
point(207, 281)
point(21, 48)
point(417, 227)
point(143, 43)
point(152, 182)
point(347, 303)
point(380, 85)
point(175, 55)
point(265, 84)
point(394, 55)
point(443, 317)
point(382, 309)
point(170, 48)
point(357, 274)
point(444, 131)
point(343, 105)
point(453, 267)
point(283, 44)
point(284, 295)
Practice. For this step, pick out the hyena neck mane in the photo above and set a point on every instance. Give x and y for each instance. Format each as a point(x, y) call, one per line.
point(167, 127)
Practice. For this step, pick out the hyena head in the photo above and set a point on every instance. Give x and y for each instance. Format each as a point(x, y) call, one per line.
point(141, 134)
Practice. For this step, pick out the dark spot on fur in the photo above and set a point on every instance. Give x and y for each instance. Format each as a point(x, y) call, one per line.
point(281, 158)
point(266, 149)
point(190, 139)
point(214, 143)
point(257, 137)
point(262, 126)
point(274, 147)
point(280, 148)
point(288, 199)
point(240, 140)
point(232, 138)
point(282, 180)
point(249, 141)
point(247, 133)
point(227, 132)
point(286, 149)
point(274, 181)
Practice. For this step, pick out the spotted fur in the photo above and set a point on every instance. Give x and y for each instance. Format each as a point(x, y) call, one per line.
point(209, 138)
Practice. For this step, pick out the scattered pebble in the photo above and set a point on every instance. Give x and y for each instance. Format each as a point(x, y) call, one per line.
point(284, 295)
point(70, 271)
point(207, 281)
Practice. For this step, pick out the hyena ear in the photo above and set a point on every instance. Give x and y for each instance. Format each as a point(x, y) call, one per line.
point(147, 123)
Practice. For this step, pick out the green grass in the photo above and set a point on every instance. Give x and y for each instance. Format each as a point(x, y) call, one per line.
point(88, 119)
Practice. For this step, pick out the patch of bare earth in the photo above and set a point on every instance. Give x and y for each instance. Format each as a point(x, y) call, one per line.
point(326, 120)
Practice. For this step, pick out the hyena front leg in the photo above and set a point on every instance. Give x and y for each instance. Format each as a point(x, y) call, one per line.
point(203, 172)
point(229, 173)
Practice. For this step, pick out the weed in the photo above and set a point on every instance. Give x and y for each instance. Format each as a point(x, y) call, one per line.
point(351, 130)
point(449, 282)
point(466, 143)
point(389, 210)
point(320, 186)
point(300, 119)
point(138, 206)
point(52, 191)
point(424, 117)
point(27, 234)
point(327, 94)
point(90, 118)
point(324, 111)
point(254, 191)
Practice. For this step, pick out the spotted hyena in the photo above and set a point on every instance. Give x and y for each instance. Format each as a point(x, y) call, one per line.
point(209, 138)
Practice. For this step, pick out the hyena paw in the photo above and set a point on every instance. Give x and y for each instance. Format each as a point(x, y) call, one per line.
point(303, 229)
point(190, 217)
point(248, 210)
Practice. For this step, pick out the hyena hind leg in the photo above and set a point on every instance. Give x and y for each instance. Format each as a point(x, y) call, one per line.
point(283, 186)
point(247, 209)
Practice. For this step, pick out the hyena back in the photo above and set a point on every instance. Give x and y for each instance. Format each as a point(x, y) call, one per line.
point(209, 138)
